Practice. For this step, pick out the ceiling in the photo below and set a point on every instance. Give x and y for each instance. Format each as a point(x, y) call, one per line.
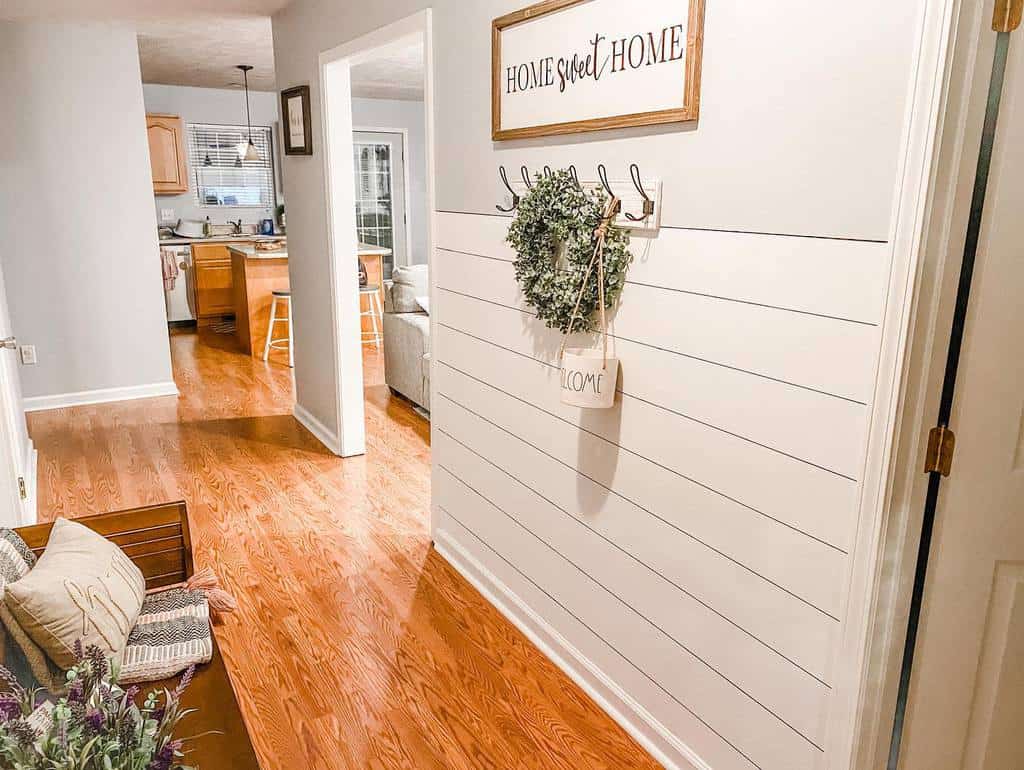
point(396, 73)
point(204, 51)
point(204, 40)
point(134, 10)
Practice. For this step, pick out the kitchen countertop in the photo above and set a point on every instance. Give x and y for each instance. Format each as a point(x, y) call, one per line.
point(369, 250)
point(244, 238)
point(250, 252)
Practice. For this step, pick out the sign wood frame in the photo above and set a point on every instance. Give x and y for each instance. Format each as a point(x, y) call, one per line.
point(688, 110)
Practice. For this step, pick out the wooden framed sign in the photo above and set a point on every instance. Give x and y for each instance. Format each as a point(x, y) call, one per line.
point(564, 66)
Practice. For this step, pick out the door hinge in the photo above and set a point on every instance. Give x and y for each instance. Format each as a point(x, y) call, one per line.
point(941, 443)
point(21, 488)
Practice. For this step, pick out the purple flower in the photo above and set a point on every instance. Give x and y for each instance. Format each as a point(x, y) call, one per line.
point(10, 707)
point(186, 680)
point(94, 720)
point(76, 693)
point(163, 759)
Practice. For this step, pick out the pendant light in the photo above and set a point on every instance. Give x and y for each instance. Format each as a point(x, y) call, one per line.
point(247, 150)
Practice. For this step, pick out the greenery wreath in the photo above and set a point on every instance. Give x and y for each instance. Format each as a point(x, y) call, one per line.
point(554, 236)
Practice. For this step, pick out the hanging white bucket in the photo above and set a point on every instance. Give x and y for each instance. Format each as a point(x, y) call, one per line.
point(588, 379)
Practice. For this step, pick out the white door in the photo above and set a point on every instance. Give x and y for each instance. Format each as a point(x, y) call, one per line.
point(17, 457)
point(966, 702)
point(381, 217)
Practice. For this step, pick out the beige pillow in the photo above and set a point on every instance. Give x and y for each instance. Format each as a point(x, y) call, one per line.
point(82, 588)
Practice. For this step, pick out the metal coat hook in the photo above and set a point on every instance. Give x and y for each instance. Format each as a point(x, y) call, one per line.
point(574, 175)
point(515, 195)
point(548, 172)
point(602, 174)
point(525, 174)
point(634, 172)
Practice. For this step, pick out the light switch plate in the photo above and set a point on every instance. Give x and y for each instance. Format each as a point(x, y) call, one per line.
point(28, 354)
point(166, 215)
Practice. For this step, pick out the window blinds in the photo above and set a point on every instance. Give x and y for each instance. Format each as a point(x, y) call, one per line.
point(221, 179)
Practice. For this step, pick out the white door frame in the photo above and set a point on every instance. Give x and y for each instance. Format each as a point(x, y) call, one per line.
point(336, 99)
point(965, 60)
point(402, 260)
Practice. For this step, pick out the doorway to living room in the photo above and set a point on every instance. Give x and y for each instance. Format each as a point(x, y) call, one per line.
point(376, 94)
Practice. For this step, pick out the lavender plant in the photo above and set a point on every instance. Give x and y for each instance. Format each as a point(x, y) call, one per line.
point(96, 726)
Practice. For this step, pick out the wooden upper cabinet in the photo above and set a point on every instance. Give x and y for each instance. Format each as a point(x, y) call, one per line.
point(166, 134)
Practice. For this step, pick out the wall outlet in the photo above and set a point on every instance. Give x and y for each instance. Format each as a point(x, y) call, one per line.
point(28, 354)
point(166, 215)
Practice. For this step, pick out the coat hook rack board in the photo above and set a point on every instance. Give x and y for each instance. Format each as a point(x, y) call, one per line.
point(630, 217)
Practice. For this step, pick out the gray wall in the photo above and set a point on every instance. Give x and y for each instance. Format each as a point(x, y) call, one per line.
point(77, 228)
point(389, 113)
point(689, 551)
point(219, 106)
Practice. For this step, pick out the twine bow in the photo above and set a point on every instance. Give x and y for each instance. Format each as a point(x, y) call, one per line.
point(601, 233)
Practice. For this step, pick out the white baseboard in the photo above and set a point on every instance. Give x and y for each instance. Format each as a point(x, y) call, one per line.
point(317, 428)
point(102, 396)
point(634, 719)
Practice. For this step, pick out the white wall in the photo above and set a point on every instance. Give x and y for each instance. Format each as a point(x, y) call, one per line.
point(220, 106)
point(688, 554)
point(77, 228)
point(391, 113)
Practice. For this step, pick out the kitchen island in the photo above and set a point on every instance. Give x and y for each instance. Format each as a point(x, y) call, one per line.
point(255, 276)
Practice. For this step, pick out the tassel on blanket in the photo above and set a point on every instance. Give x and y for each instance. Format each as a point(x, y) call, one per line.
point(205, 580)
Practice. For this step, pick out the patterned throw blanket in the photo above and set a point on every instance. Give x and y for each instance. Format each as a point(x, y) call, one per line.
point(171, 633)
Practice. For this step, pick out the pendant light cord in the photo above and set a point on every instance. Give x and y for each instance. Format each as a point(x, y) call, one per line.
point(248, 117)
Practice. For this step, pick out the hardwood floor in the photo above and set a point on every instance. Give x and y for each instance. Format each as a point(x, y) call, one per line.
point(356, 645)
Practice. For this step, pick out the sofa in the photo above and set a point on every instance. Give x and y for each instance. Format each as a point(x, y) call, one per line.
point(407, 334)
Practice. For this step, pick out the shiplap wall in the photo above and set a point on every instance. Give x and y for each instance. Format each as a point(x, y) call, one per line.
point(693, 542)
point(685, 556)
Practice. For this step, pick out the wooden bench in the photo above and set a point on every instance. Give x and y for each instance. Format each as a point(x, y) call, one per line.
point(156, 538)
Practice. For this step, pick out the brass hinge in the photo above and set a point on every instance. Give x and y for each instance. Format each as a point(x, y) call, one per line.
point(941, 442)
point(1006, 15)
point(21, 488)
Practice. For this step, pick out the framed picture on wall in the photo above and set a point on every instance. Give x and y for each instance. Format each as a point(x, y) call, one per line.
point(566, 66)
point(295, 120)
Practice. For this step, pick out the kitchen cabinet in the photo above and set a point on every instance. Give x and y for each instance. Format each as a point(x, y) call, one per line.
point(214, 284)
point(166, 135)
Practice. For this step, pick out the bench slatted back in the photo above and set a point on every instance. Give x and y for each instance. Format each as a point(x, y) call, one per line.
point(155, 537)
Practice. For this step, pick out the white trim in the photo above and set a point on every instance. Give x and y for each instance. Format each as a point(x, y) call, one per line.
point(855, 692)
point(29, 506)
point(634, 719)
point(101, 396)
point(336, 109)
point(317, 428)
point(947, 209)
point(407, 257)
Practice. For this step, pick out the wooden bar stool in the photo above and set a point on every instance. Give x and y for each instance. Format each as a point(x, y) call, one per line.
point(374, 311)
point(284, 298)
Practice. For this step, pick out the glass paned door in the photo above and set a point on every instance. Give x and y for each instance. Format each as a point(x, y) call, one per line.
point(380, 194)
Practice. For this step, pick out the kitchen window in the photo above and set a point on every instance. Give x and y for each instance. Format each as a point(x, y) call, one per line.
point(221, 177)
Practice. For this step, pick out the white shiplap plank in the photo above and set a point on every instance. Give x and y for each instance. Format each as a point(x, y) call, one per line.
point(797, 563)
point(577, 640)
point(836, 357)
point(746, 725)
point(845, 279)
point(750, 474)
point(792, 628)
point(821, 429)
point(739, 658)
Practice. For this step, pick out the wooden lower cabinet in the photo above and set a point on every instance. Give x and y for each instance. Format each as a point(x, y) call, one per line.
point(214, 284)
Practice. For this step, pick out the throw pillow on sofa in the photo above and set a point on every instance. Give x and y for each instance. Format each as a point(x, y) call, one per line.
point(83, 587)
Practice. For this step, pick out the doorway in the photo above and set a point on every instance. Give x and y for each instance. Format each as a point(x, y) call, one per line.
point(376, 93)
